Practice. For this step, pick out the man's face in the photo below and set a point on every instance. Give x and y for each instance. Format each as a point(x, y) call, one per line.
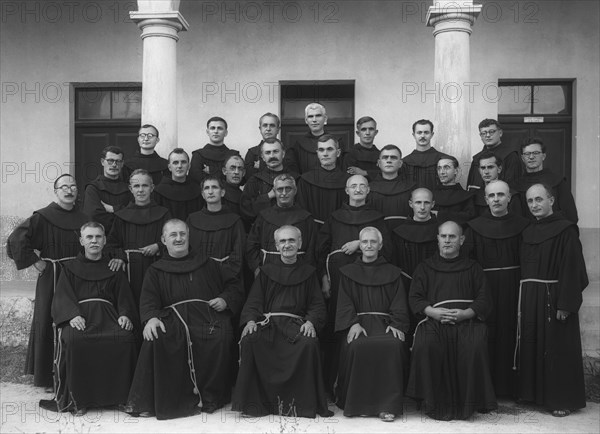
point(490, 136)
point(179, 165)
point(447, 173)
point(357, 188)
point(273, 154)
point(423, 135)
point(148, 138)
point(212, 192)
point(268, 127)
point(93, 241)
point(288, 243)
point(450, 240)
point(216, 132)
point(489, 170)
point(538, 201)
point(175, 238)
point(370, 245)
point(533, 157)
point(66, 191)
point(328, 153)
point(141, 187)
point(234, 171)
point(315, 119)
point(285, 192)
point(389, 161)
point(112, 165)
point(421, 203)
point(366, 133)
point(497, 196)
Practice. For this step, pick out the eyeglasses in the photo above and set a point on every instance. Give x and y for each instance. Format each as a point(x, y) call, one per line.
point(66, 188)
point(112, 162)
point(146, 135)
point(530, 154)
point(487, 133)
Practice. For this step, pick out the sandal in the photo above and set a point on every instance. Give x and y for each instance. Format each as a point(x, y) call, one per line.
point(387, 417)
point(561, 413)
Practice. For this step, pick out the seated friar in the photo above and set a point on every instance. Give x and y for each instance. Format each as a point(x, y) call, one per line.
point(450, 369)
point(372, 312)
point(187, 302)
point(280, 365)
point(94, 312)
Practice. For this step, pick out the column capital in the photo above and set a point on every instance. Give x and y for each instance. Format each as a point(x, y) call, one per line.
point(167, 23)
point(452, 17)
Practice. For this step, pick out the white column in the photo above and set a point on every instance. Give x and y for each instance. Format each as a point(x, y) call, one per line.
point(452, 22)
point(160, 23)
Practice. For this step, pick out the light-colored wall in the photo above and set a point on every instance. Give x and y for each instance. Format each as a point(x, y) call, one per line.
point(385, 46)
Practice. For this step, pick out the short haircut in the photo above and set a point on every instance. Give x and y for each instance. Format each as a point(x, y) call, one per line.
point(64, 175)
point(112, 149)
point(216, 119)
point(150, 126)
point(497, 181)
point(92, 224)
point(486, 155)
point(287, 227)
point(237, 157)
point(270, 141)
point(420, 189)
point(422, 122)
point(451, 158)
point(548, 188)
point(363, 120)
point(460, 229)
point(171, 221)
point(371, 229)
point(141, 172)
point(284, 177)
point(270, 115)
point(390, 147)
point(533, 141)
point(212, 178)
point(178, 151)
point(327, 137)
point(488, 123)
point(314, 106)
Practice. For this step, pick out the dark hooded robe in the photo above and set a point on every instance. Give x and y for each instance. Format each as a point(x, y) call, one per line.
point(495, 242)
point(208, 161)
point(512, 166)
point(452, 202)
point(94, 367)
point(548, 358)
point(218, 235)
point(372, 368)
point(255, 196)
point(421, 167)
point(302, 157)
point(54, 232)
point(135, 227)
point(188, 366)
point(253, 160)
point(321, 192)
point(280, 368)
point(363, 158)
point(113, 192)
point(260, 245)
point(180, 198)
point(390, 197)
point(563, 199)
point(450, 371)
point(156, 166)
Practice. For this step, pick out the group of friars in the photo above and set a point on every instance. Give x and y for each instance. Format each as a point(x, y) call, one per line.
point(359, 278)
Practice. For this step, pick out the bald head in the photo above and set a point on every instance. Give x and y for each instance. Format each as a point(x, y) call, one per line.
point(421, 202)
point(450, 239)
point(497, 196)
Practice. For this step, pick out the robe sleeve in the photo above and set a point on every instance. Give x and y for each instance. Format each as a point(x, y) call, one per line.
point(309, 245)
point(482, 300)
point(93, 208)
point(65, 305)
point(399, 308)
point(346, 315)
point(316, 312)
point(236, 256)
point(572, 275)
point(417, 296)
point(250, 197)
point(23, 240)
point(253, 253)
point(124, 296)
point(114, 241)
point(233, 292)
point(150, 301)
point(254, 308)
point(197, 168)
point(323, 247)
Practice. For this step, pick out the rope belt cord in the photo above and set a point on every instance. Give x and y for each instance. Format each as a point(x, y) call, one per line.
point(56, 263)
point(87, 300)
point(196, 390)
point(220, 259)
point(518, 337)
point(268, 316)
point(327, 262)
point(266, 252)
point(321, 222)
point(396, 217)
point(127, 253)
point(511, 267)
point(408, 276)
point(438, 304)
point(373, 313)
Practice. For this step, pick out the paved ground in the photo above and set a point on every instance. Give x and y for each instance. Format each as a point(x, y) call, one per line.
point(20, 413)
